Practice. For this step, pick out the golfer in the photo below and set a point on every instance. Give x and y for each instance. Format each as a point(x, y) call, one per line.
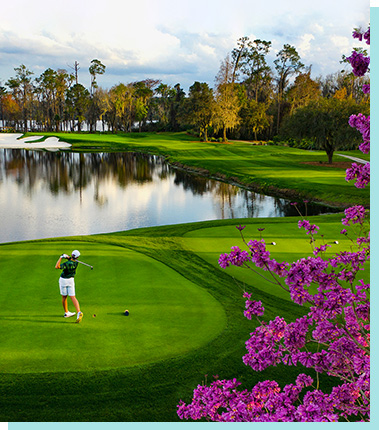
point(67, 283)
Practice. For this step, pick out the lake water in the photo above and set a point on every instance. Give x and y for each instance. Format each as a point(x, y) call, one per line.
point(51, 194)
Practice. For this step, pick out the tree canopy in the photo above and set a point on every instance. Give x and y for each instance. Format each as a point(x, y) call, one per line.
point(249, 100)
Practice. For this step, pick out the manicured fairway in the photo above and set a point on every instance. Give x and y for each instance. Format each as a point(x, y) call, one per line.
point(186, 320)
point(169, 315)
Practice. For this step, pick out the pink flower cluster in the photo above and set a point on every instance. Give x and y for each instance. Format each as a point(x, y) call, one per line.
point(236, 258)
point(252, 307)
point(267, 402)
point(359, 63)
point(360, 172)
point(358, 34)
point(354, 215)
point(362, 123)
point(309, 228)
point(366, 88)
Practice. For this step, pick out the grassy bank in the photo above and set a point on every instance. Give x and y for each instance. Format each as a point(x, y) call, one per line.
point(275, 170)
point(186, 320)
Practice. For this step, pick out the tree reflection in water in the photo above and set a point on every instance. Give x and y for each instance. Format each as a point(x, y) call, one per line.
point(114, 191)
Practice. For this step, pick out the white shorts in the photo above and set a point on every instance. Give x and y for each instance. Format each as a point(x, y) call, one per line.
point(67, 286)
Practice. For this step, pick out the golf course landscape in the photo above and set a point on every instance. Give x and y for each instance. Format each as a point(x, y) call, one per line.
point(185, 323)
point(271, 169)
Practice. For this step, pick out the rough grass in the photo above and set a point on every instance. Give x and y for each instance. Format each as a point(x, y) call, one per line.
point(186, 258)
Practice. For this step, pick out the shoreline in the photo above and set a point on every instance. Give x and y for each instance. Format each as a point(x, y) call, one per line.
point(267, 189)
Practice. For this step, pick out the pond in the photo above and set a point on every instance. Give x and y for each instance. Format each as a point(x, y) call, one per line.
point(51, 194)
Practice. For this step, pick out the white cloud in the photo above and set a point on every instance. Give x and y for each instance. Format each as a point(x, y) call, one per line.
point(341, 42)
point(316, 28)
point(184, 40)
point(305, 44)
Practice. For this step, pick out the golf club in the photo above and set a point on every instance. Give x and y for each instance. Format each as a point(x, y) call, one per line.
point(81, 262)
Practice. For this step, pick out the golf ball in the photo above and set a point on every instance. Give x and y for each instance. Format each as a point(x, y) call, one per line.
point(126, 312)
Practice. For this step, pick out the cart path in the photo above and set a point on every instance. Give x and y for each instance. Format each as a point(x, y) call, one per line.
point(358, 160)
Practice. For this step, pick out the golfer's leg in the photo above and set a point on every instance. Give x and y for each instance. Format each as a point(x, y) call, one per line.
point(64, 303)
point(76, 303)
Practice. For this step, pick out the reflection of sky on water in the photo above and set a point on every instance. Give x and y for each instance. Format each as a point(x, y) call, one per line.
point(103, 205)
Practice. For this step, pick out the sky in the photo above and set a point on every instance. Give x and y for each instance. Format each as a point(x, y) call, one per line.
point(176, 41)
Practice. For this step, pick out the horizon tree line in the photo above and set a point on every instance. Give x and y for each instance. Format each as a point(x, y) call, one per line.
point(250, 100)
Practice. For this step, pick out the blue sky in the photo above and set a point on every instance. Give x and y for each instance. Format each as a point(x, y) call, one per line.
point(177, 41)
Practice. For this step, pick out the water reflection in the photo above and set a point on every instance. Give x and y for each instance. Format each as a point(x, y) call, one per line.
point(50, 194)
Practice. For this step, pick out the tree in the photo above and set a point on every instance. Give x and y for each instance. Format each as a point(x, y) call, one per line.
point(46, 89)
point(76, 69)
point(63, 82)
point(164, 101)
point(142, 95)
point(96, 68)
point(226, 109)
point(11, 109)
point(22, 89)
point(199, 108)
point(140, 111)
point(118, 100)
point(101, 101)
point(3, 93)
point(254, 66)
point(77, 101)
point(121, 111)
point(237, 54)
point(326, 123)
point(227, 106)
point(177, 102)
point(96, 108)
point(51, 89)
point(346, 82)
point(303, 91)
point(287, 64)
point(255, 118)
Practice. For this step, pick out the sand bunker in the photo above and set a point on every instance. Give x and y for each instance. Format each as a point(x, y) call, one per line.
point(13, 141)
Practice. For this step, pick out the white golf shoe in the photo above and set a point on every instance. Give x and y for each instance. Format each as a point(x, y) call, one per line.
point(69, 314)
point(79, 317)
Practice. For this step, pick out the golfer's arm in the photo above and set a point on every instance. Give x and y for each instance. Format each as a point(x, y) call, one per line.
point(58, 265)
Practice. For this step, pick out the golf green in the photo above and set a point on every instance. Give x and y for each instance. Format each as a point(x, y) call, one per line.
point(284, 239)
point(169, 315)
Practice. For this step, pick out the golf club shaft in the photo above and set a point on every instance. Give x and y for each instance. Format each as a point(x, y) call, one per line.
point(81, 262)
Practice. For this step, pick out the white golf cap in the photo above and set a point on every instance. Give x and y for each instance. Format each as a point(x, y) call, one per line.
point(75, 253)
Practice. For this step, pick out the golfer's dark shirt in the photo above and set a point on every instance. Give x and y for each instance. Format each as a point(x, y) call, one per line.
point(69, 269)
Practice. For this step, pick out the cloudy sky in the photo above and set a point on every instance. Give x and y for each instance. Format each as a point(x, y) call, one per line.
point(177, 41)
